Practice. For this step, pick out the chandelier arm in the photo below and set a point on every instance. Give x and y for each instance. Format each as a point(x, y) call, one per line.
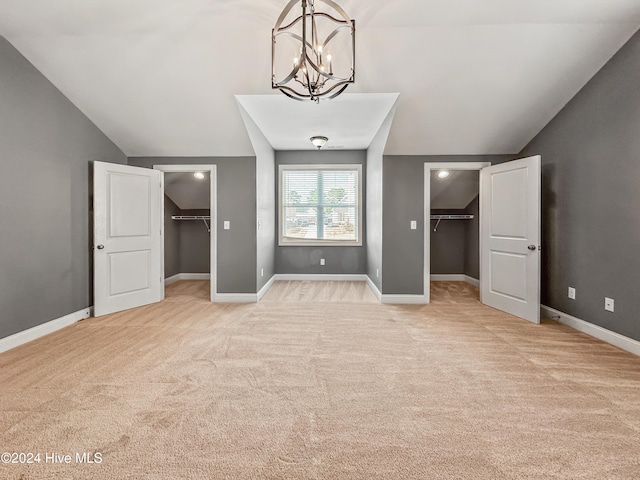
point(338, 9)
point(294, 35)
point(331, 17)
point(346, 24)
point(344, 86)
point(304, 42)
point(290, 92)
point(314, 41)
point(286, 27)
point(325, 74)
point(334, 33)
point(293, 74)
point(284, 14)
point(341, 85)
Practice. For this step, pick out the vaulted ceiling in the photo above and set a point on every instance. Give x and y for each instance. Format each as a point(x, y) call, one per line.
point(159, 77)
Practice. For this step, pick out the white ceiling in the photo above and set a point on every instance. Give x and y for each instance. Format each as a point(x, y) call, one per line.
point(159, 76)
point(350, 121)
point(455, 191)
point(186, 191)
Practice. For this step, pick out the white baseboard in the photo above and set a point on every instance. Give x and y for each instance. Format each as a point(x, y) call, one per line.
point(455, 277)
point(620, 341)
point(219, 297)
point(186, 276)
point(172, 279)
point(236, 297)
point(374, 289)
point(321, 277)
point(38, 331)
point(473, 281)
point(404, 299)
point(266, 287)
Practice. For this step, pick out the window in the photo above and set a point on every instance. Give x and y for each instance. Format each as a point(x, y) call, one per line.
point(320, 205)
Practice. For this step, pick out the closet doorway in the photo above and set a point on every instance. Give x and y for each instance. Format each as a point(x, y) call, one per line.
point(509, 232)
point(452, 213)
point(190, 233)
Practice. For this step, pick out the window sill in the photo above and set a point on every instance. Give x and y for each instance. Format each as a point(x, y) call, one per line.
point(318, 243)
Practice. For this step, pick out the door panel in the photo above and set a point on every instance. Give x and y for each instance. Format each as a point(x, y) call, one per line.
point(510, 237)
point(128, 237)
point(508, 272)
point(129, 204)
point(129, 272)
point(509, 218)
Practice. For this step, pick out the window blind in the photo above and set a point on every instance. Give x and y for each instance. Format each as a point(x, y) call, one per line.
point(320, 204)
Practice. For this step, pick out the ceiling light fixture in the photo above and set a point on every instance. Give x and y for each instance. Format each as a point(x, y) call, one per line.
point(443, 173)
point(199, 175)
point(319, 141)
point(322, 47)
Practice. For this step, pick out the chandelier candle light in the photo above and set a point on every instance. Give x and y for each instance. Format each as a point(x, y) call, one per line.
point(313, 54)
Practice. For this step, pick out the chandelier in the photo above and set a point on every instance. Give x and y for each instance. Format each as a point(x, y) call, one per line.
point(313, 55)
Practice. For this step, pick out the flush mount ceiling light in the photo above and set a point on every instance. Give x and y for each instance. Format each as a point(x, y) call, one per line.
point(443, 173)
point(199, 175)
point(319, 141)
point(313, 55)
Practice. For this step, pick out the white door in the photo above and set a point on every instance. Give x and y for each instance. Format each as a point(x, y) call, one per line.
point(510, 237)
point(127, 237)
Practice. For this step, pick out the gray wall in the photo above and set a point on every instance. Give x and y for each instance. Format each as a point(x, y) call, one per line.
point(265, 202)
point(455, 246)
point(339, 260)
point(236, 252)
point(448, 244)
point(47, 149)
point(472, 239)
point(373, 215)
point(195, 246)
point(590, 197)
point(171, 239)
point(403, 201)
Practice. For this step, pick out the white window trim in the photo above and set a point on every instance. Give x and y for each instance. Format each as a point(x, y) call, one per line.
point(284, 242)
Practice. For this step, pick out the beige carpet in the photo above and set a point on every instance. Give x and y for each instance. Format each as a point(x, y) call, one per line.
point(319, 381)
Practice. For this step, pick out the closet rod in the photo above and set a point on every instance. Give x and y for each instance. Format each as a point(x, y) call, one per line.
point(451, 217)
point(204, 218)
point(448, 217)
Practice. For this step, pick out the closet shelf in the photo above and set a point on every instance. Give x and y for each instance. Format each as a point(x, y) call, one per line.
point(448, 217)
point(204, 218)
point(451, 217)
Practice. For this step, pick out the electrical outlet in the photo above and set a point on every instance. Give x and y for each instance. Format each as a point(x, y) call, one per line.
point(572, 293)
point(226, 225)
point(377, 272)
point(262, 272)
point(414, 225)
point(608, 304)
point(322, 261)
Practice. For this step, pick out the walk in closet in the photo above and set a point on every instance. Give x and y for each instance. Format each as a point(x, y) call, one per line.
point(454, 227)
point(187, 223)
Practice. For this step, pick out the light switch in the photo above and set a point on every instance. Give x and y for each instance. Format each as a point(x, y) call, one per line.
point(226, 225)
point(414, 224)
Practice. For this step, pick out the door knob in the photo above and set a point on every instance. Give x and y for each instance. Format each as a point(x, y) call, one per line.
point(530, 247)
point(100, 247)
